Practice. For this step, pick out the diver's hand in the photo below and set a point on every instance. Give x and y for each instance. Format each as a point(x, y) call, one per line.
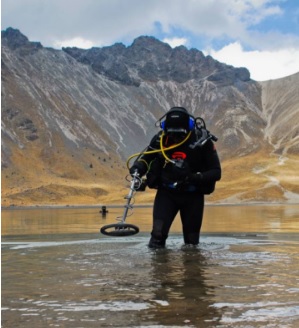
point(138, 167)
point(195, 178)
point(181, 170)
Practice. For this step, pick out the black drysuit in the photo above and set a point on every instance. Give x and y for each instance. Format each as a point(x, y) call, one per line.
point(181, 175)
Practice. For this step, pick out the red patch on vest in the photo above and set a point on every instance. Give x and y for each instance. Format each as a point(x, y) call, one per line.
point(178, 155)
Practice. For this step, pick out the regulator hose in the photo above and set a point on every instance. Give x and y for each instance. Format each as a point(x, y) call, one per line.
point(162, 150)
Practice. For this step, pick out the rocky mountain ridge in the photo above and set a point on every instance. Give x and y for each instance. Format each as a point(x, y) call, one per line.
point(148, 59)
point(73, 116)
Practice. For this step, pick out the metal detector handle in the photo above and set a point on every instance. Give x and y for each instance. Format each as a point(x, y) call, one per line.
point(129, 196)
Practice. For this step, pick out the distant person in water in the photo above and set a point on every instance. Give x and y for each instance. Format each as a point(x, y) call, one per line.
point(182, 163)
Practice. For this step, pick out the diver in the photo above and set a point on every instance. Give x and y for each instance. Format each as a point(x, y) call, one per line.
point(182, 163)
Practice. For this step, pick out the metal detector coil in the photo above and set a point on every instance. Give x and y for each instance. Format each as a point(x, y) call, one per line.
point(124, 229)
point(119, 229)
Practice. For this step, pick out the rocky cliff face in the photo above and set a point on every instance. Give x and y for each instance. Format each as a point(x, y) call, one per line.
point(280, 99)
point(70, 113)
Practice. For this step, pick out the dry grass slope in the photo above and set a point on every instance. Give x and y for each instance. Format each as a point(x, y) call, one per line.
point(253, 178)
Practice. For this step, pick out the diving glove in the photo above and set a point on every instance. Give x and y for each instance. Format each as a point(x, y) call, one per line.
point(195, 177)
point(138, 166)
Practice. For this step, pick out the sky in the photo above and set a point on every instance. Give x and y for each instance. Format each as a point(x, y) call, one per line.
point(261, 35)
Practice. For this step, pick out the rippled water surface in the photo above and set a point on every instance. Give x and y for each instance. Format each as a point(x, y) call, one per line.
point(59, 271)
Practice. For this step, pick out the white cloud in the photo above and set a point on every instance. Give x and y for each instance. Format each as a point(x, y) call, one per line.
point(109, 21)
point(263, 65)
point(74, 42)
point(268, 26)
point(175, 42)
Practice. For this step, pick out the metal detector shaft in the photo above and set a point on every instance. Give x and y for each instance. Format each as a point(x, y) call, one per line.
point(121, 228)
point(129, 197)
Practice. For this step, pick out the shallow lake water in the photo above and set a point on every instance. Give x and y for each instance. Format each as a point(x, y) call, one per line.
point(59, 271)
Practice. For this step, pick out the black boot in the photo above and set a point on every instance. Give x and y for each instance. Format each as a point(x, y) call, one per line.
point(191, 238)
point(156, 243)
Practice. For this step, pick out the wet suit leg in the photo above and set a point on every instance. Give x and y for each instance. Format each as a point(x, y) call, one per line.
point(165, 209)
point(191, 211)
point(166, 206)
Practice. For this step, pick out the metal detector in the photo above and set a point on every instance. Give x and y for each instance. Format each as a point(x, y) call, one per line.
point(121, 228)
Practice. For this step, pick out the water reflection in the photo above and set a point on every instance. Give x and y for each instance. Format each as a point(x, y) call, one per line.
point(106, 282)
point(58, 270)
point(182, 292)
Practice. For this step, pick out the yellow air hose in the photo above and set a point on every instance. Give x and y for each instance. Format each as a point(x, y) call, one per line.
point(158, 150)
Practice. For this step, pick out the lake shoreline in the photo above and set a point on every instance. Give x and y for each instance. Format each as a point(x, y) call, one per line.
point(79, 206)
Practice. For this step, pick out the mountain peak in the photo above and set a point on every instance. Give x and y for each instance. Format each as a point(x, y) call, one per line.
point(14, 39)
point(150, 42)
